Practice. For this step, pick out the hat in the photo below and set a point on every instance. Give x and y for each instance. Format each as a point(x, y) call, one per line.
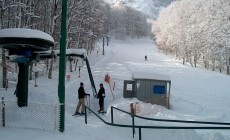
point(101, 84)
point(81, 84)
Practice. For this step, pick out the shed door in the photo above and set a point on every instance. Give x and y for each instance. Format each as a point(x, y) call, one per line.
point(129, 89)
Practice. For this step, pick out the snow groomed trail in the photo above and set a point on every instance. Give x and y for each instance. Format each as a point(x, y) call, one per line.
point(192, 88)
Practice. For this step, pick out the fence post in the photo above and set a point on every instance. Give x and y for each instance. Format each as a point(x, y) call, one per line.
point(85, 115)
point(112, 114)
point(133, 125)
point(139, 133)
point(132, 110)
point(3, 112)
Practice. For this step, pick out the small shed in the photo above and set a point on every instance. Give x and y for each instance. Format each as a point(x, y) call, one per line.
point(148, 87)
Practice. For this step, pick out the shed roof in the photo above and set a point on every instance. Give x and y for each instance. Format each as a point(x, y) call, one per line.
point(150, 75)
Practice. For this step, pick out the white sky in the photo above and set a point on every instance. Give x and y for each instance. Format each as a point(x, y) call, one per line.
point(149, 7)
point(196, 94)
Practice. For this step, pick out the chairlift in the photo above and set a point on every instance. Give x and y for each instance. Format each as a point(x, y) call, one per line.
point(22, 45)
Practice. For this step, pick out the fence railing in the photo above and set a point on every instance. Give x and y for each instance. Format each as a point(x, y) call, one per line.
point(215, 125)
point(35, 116)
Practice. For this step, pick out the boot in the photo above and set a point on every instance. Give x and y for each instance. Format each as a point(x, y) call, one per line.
point(76, 113)
point(100, 110)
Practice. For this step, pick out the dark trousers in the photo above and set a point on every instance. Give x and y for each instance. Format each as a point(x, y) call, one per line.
point(101, 102)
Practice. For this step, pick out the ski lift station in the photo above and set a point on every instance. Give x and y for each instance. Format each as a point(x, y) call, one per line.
point(148, 87)
point(21, 45)
point(26, 45)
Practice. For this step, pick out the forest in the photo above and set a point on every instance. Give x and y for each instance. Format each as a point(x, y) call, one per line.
point(196, 32)
point(87, 22)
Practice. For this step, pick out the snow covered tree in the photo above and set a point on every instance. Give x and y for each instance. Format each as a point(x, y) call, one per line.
point(15, 14)
point(195, 30)
point(127, 21)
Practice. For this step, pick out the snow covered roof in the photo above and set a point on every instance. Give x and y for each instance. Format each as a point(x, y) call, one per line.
point(76, 51)
point(21, 38)
point(73, 52)
point(25, 33)
point(150, 75)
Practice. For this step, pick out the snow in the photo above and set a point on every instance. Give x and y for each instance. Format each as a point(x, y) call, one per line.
point(150, 75)
point(82, 52)
point(196, 94)
point(39, 68)
point(14, 57)
point(25, 33)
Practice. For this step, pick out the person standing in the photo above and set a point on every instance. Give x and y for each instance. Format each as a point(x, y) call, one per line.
point(81, 102)
point(101, 96)
point(146, 59)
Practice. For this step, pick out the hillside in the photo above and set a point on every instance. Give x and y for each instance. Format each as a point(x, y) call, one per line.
point(149, 7)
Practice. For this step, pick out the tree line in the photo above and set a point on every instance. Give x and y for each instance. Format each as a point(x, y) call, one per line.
point(87, 22)
point(196, 31)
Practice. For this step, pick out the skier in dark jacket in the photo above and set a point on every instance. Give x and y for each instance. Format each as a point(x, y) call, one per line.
point(101, 96)
point(81, 102)
point(146, 59)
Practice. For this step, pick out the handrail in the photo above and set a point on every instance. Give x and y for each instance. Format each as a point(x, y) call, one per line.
point(156, 127)
point(165, 120)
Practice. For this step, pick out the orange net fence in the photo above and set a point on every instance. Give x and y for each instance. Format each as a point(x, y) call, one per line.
point(110, 82)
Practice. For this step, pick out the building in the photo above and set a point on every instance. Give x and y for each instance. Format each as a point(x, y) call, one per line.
point(148, 87)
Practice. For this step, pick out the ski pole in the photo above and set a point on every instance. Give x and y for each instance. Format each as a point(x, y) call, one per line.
point(89, 103)
point(103, 105)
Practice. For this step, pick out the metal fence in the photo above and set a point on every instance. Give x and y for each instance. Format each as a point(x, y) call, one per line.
point(37, 116)
point(212, 125)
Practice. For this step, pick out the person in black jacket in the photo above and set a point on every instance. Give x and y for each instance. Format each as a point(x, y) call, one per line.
point(81, 102)
point(100, 96)
point(146, 59)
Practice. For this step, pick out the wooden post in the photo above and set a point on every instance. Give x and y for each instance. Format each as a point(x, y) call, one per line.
point(3, 112)
point(103, 51)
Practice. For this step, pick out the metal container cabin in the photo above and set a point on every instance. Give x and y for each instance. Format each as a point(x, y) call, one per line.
point(148, 87)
